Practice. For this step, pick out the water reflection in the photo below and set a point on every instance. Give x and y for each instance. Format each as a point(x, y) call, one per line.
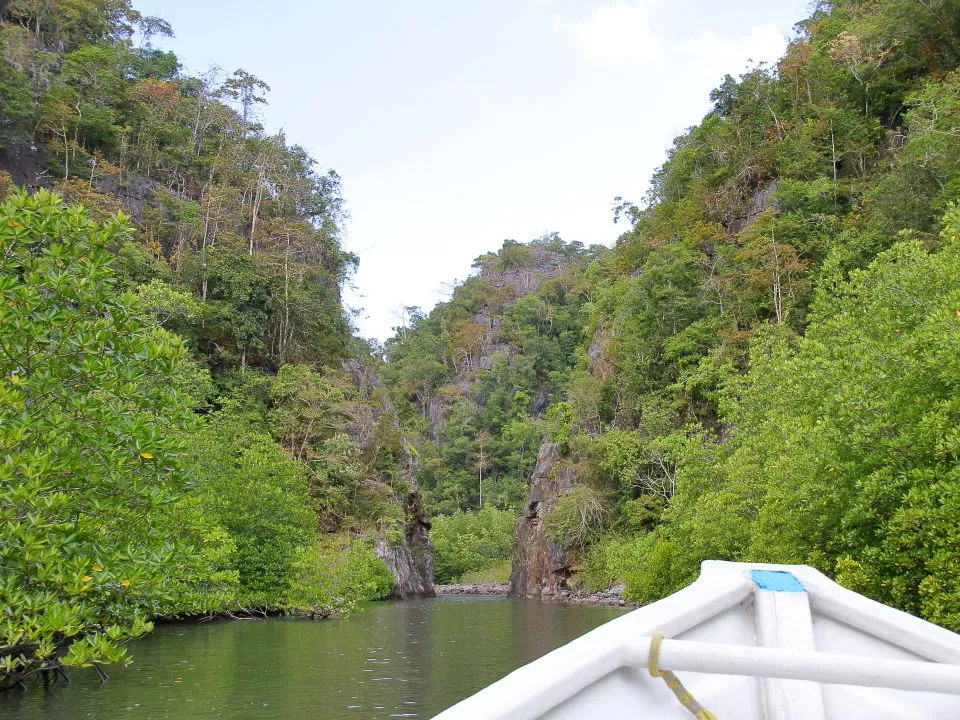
point(409, 659)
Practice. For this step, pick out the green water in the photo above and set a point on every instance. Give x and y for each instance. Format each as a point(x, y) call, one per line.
point(405, 659)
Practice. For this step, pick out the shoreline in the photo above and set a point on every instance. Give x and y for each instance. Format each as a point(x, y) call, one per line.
point(605, 598)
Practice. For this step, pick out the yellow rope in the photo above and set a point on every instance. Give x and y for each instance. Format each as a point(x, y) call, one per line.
point(683, 695)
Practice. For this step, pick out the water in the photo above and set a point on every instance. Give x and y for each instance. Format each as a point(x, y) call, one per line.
point(407, 659)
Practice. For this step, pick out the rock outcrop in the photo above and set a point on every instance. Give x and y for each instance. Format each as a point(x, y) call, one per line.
point(27, 166)
point(409, 557)
point(525, 280)
point(489, 344)
point(541, 567)
point(753, 205)
point(410, 560)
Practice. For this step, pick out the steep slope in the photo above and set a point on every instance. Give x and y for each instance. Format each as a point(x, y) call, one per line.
point(476, 373)
point(755, 227)
point(235, 247)
point(541, 564)
point(404, 544)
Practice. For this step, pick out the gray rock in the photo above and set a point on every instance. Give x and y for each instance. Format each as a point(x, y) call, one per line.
point(27, 165)
point(541, 568)
point(410, 559)
point(411, 562)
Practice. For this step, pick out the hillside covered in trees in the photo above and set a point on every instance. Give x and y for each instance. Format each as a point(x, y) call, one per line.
point(187, 425)
point(764, 367)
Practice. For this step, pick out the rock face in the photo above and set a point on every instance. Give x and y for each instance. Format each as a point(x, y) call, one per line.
point(411, 562)
point(754, 205)
point(546, 264)
point(27, 166)
point(133, 191)
point(598, 355)
point(489, 345)
point(409, 558)
point(541, 567)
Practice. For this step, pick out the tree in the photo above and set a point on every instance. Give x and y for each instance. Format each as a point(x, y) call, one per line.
point(93, 407)
point(245, 89)
point(482, 461)
point(16, 107)
point(574, 515)
point(844, 452)
point(149, 26)
point(259, 495)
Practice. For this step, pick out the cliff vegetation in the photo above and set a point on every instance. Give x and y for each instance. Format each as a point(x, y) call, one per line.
point(763, 368)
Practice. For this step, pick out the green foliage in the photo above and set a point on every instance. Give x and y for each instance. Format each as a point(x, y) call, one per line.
point(136, 482)
point(16, 107)
point(515, 256)
point(559, 421)
point(355, 477)
point(338, 573)
point(239, 220)
point(498, 573)
point(269, 500)
point(260, 496)
point(469, 542)
point(843, 450)
point(485, 365)
point(574, 516)
point(926, 174)
point(92, 421)
point(172, 308)
point(611, 558)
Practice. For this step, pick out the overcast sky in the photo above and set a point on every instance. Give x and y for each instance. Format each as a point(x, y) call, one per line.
point(455, 125)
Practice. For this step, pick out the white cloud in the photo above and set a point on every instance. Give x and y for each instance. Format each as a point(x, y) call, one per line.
point(733, 54)
point(616, 34)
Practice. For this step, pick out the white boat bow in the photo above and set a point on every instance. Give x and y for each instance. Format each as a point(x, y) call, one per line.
point(748, 642)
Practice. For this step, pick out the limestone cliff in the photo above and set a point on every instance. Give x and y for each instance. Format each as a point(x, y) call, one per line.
point(409, 556)
point(541, 567)
point(520, 281)
point(410, 560)
point(508, 285)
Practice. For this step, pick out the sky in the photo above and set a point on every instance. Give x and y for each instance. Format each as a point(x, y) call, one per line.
point(455, 125)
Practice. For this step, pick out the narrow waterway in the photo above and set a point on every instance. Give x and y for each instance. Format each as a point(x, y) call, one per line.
point(406, 659)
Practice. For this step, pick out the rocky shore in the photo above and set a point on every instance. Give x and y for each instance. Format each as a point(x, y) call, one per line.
point(612, 597)
point(484, 588)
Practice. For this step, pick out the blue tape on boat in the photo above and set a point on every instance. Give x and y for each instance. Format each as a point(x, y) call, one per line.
point(777, 580)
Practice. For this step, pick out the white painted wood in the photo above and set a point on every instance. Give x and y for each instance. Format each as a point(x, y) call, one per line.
point(784, 623)
point(906, 631)
point(603, 674)
point(538, 689)
point(819, 667)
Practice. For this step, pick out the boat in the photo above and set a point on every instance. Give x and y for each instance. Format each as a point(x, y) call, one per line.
point(743, 642)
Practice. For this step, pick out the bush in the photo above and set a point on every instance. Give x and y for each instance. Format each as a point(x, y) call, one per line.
point(336, 574)
point(92, 415)
point(610, 559)
point(498, 573)
point(464, 542)
point(574, 516)
point(260, 496)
